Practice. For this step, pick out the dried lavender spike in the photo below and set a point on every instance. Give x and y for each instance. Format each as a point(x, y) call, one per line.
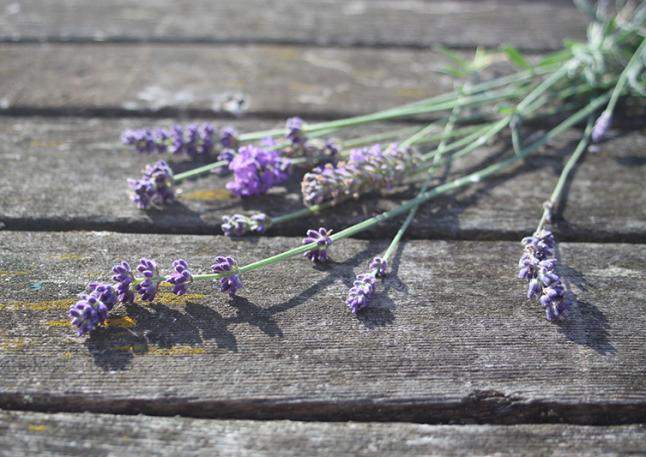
point(194, 140)
point(322, 239)
point(239, 224)
point(231, 283)
point(538, 267)
point(368, 169)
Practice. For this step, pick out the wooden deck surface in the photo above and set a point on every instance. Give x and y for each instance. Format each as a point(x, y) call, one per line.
point(450, 360)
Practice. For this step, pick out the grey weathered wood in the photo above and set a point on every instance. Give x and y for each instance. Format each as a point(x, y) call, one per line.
point(111, 79)
point(71, 174)
point(28, 434)
point(527, 24)
point(449, 337)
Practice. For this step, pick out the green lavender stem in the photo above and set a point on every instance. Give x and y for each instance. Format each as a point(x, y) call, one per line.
point(423, 197)
point(567, 169)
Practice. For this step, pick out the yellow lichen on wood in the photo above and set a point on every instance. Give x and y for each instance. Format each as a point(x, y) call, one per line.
point(207, 195)
point(37, 427)
point(13, 273)
point(157, 351)
point(12, 344)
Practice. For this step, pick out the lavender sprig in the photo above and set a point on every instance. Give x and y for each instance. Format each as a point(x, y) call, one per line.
point(231, 283)
point(239, 224)
point(155, 188)
point(367, 169)
point(322, 239)
point(256, 170)
point(92, 309)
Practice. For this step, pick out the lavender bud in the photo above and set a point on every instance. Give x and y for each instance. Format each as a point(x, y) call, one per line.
point(257, 170)
point(181, 277)
point(231, 283)
point(155, 188)
point(362, 290)
point(93, 307)
point(239, 225)
point(601, 127)
point(122, 274)
point(322, 239)
point(148, 287)
point(379, 265)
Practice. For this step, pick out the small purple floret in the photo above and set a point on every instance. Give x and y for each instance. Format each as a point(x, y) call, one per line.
point(239, 225)
point(362, 290)
point(229, 138)
point(294, 127)
point(122, 274)
point(181, 277)
point(155, 187)
point(379, 265)
point(232, 283)
point(322, 239)
point(93, 307)
point(148, 287)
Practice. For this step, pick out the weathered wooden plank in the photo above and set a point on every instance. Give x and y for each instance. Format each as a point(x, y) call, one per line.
point(157, 79)
point(527, 24)
point(449, 337)
point(28, 434)
point(71, 174)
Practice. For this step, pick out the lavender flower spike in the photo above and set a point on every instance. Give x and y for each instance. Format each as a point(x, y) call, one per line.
point(148, 287)
point(93, 307)
point(322, 239)
point(122, 274)
point(181, 277)
point(239, 225)
point(538, 266)
point(362, 290)
point(601, 126)
point(230, 283)
point(368, 169)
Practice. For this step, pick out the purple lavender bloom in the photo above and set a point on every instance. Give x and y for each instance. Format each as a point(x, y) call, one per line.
point(601, 127)
point(155, 187)
point(93, 307)
point(181, 277)
point(256, 170)
point(177, 139)
point(229, 138)
point(148, 287)
point(322, 239)
point(537, 265)
point(231, 283)
point(379, 265)
point(142, 140)
point(368, 169)
point(362, 290)
point(122, 274)
point(239, 225)
point(294, 127)
point(207, 133)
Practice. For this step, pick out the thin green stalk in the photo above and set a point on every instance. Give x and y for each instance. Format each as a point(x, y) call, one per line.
point(567, 169)
point(623, 78)
point(198, 171)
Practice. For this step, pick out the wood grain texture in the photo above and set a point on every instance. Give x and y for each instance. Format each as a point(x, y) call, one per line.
point(28, 434)
point(71, 174)
point(533, 25)
point(114, 79)
point(449, 337)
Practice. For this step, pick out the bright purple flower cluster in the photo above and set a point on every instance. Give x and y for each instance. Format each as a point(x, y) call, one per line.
point(601, 127)
point(155, 187)
point(239, 224)
point(367, 169)
point(256, 170)
point(362, 290)
point(122, 274)
point(193, 140)
point(93, 307)
point(322, 239)
point(231, 283)
point(181, 277)
point(537, 265)
point(148, 287)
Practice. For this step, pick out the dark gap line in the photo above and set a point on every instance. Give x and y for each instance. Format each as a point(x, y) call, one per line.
point(480, 407)
point(240, 41)
point(564, 235)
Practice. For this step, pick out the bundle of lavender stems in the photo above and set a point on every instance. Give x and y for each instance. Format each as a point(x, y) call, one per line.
point(579, 85)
